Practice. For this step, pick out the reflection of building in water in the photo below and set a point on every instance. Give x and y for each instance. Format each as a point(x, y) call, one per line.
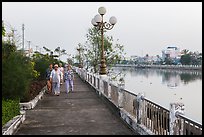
point(172, 81)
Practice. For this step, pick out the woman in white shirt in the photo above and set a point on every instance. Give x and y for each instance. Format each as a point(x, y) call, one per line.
point(62, 70)
point(55, 78)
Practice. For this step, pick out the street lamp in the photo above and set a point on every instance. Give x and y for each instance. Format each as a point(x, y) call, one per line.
point(98, 22)
point(80, 62)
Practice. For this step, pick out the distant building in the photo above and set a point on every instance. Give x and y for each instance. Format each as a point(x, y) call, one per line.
point(171, 52)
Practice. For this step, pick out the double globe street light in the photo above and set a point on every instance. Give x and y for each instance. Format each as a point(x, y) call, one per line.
point(98, 22)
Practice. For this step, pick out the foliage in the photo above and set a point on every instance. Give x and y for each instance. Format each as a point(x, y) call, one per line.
point(114, 52)
point(16, 75)
point(168, 61)
point(10, 109)
point(60, 51)
point(3, 29)
point(35, 73)
point(185, 59)
point(42, 62)
point(7, 49)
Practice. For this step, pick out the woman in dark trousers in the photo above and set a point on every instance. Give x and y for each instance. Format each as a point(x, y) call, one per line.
point(69, 79)
point(49, 84)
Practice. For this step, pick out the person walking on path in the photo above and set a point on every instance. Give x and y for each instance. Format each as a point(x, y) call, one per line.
point(48, 72)
point(62, 70)
point(69, 79)
point(55, 78)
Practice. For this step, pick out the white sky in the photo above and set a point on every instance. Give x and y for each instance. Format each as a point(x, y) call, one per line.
point(142, 27)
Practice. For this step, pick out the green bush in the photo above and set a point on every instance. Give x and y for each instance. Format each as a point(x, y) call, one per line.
point(16, 76)
point(10, 109)
point(42, 63)
point(7, 49)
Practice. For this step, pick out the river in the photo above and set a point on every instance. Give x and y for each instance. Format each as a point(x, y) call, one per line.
point(165, 86)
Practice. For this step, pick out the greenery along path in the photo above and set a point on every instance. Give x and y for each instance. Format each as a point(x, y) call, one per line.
point(80, 112)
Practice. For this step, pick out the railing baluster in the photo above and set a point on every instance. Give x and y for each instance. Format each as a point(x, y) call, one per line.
point(164, 114)
point(167, 123)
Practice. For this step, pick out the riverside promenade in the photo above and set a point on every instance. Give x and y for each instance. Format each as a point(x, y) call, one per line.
point(81, 112)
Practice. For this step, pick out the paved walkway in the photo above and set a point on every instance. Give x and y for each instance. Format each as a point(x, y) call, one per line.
point(81, 112)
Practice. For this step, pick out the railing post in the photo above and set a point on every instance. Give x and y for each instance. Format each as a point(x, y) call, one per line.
point(139, 107)
point(102, 78)
point(109, 86)
point(83, 75)
point(121, 85)
point(79, 71)
point(97, 84)
point(175, 110)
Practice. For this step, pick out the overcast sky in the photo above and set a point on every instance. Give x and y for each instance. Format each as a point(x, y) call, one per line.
point(142, 28)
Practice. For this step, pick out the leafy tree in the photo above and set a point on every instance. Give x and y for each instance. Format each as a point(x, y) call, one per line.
point(16, 74)
point(42, 62)
point(3, 29)
point(185, 51)
point(186, 57)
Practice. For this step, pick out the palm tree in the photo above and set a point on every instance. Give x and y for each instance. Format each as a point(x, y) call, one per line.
point(60, 52)
point(185, 51)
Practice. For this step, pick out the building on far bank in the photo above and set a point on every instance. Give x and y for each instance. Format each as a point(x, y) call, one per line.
point(171, 52)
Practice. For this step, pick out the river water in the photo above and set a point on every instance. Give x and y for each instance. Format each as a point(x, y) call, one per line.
point(165, 86)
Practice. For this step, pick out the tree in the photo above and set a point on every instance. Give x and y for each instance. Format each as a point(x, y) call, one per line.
point(168, 61)
point(185, 51)
point(3, 29)
point(92, 47)
point(60, 52)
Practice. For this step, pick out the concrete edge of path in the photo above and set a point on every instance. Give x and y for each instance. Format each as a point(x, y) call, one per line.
point(10, 127)
point(31, 104)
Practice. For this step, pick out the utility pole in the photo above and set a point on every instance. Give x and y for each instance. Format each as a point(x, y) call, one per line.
point(36, 47)
point(23, 35)
point(12, 35)
point(29, 47)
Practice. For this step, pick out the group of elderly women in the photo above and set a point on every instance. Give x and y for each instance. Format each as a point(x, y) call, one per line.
point(57, 75)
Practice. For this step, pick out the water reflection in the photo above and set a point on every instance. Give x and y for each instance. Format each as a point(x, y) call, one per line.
point(164, 86)
point(170, 77)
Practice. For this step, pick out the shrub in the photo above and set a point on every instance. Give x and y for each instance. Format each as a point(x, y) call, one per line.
point(42, 63)
point(7, 49)
point(10, 109)
point(16, 76)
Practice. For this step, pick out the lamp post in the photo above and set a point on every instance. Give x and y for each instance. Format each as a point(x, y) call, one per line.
point(79, 50)
point(101, 25)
